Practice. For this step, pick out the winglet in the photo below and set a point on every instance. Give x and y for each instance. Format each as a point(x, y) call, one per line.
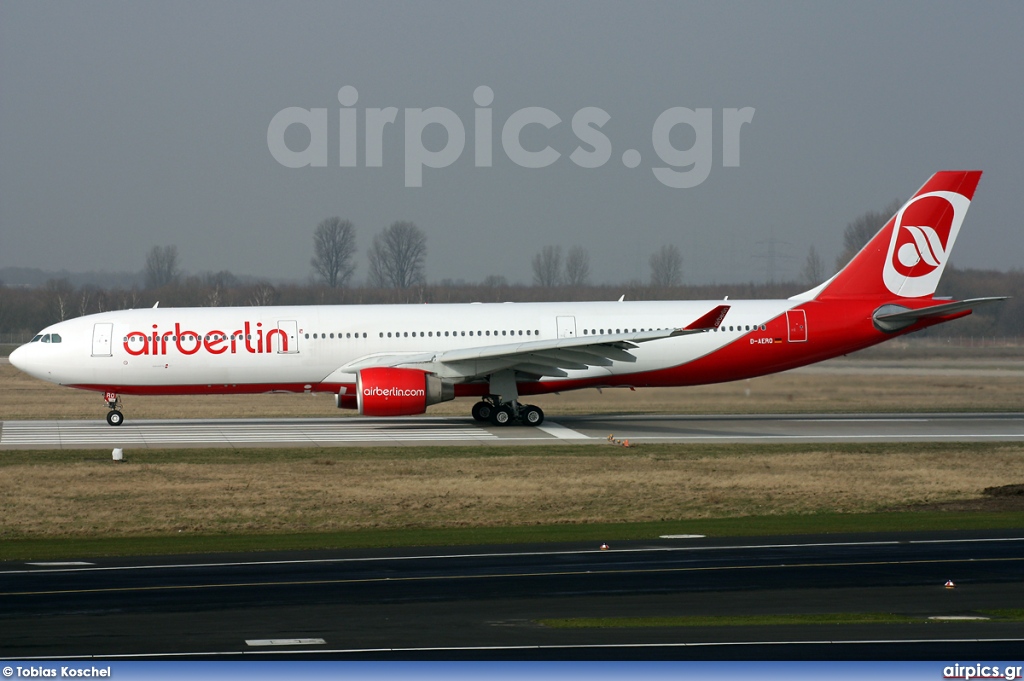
point(712, 320)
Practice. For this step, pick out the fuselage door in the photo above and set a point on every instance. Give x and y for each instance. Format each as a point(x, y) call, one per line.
point(797, 326)
point(288, 343)
point(566, 327)
point(101, 334)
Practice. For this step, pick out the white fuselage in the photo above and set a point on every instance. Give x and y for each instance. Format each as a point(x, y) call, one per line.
point(307, 346)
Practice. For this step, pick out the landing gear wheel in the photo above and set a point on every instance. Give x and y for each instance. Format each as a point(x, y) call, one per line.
point(482, 411)
point(501, 416)
point(114, 417)
point(532, 416)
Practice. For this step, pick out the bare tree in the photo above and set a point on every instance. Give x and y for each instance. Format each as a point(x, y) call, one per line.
point(666, 266)
point(84, 300)
point(814, 269)
point(125, 299)
point(59, 293)
point(397, 255)
point(216, 283)
point(334, 245)
point(161, 266)
point(577, 267)
point(263, 294)
point(860, 231)
point(547, 267)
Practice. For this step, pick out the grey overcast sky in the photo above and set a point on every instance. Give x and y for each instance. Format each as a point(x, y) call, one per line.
point(129, 125)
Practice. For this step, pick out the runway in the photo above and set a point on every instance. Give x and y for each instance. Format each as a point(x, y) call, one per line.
point(493, 602)
point(594, 429)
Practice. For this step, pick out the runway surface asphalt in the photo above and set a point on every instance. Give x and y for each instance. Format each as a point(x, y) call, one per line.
point(486, 602)
point(946, 427)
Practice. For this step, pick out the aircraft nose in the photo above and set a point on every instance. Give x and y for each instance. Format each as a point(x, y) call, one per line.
point(17, 358)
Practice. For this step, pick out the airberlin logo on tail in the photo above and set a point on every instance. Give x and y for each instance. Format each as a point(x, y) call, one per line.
point(215, 341)
point(922, 237)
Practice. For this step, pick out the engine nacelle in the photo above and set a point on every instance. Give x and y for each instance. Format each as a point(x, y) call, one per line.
point(383, 391)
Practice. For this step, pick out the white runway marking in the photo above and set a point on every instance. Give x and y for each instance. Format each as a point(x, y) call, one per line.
point(256, 642)
point(517, 648)
point(826, 437)
point(306, 432)
point(327, 432)
point(561, 432)
point(507, 554)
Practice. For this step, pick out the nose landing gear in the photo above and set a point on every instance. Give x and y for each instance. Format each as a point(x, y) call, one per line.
point(114, 416)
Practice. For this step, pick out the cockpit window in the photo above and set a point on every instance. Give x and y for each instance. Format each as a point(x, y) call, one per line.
point(36, 338)
point(55, 338)
point(46, 338)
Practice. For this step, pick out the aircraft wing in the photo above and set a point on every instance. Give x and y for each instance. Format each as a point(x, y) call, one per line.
point(896, 317)
point(552, 357)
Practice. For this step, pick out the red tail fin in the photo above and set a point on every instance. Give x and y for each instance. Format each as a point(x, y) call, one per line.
point(906, 258)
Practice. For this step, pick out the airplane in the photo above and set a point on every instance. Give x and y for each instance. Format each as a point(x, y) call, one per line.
point(397, 360)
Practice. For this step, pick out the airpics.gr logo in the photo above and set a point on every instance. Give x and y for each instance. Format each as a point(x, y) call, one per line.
point(922, 237)
point(365, 133)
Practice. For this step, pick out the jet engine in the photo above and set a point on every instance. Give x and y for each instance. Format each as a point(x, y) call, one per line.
point(383, 391)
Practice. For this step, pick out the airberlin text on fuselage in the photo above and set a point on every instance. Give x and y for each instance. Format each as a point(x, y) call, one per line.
point(215, 341)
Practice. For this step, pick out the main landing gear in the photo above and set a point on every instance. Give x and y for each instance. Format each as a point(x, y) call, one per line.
point(114, 416)
point(499, 413)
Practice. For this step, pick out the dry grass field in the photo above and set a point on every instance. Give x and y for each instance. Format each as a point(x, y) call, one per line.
point(215, 492)
point(163, 493)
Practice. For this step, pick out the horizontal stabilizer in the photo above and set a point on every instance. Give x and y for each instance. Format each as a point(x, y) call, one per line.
point(897, 317)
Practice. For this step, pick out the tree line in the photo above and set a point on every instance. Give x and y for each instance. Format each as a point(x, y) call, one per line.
point(23, 311)
point(396, 260)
